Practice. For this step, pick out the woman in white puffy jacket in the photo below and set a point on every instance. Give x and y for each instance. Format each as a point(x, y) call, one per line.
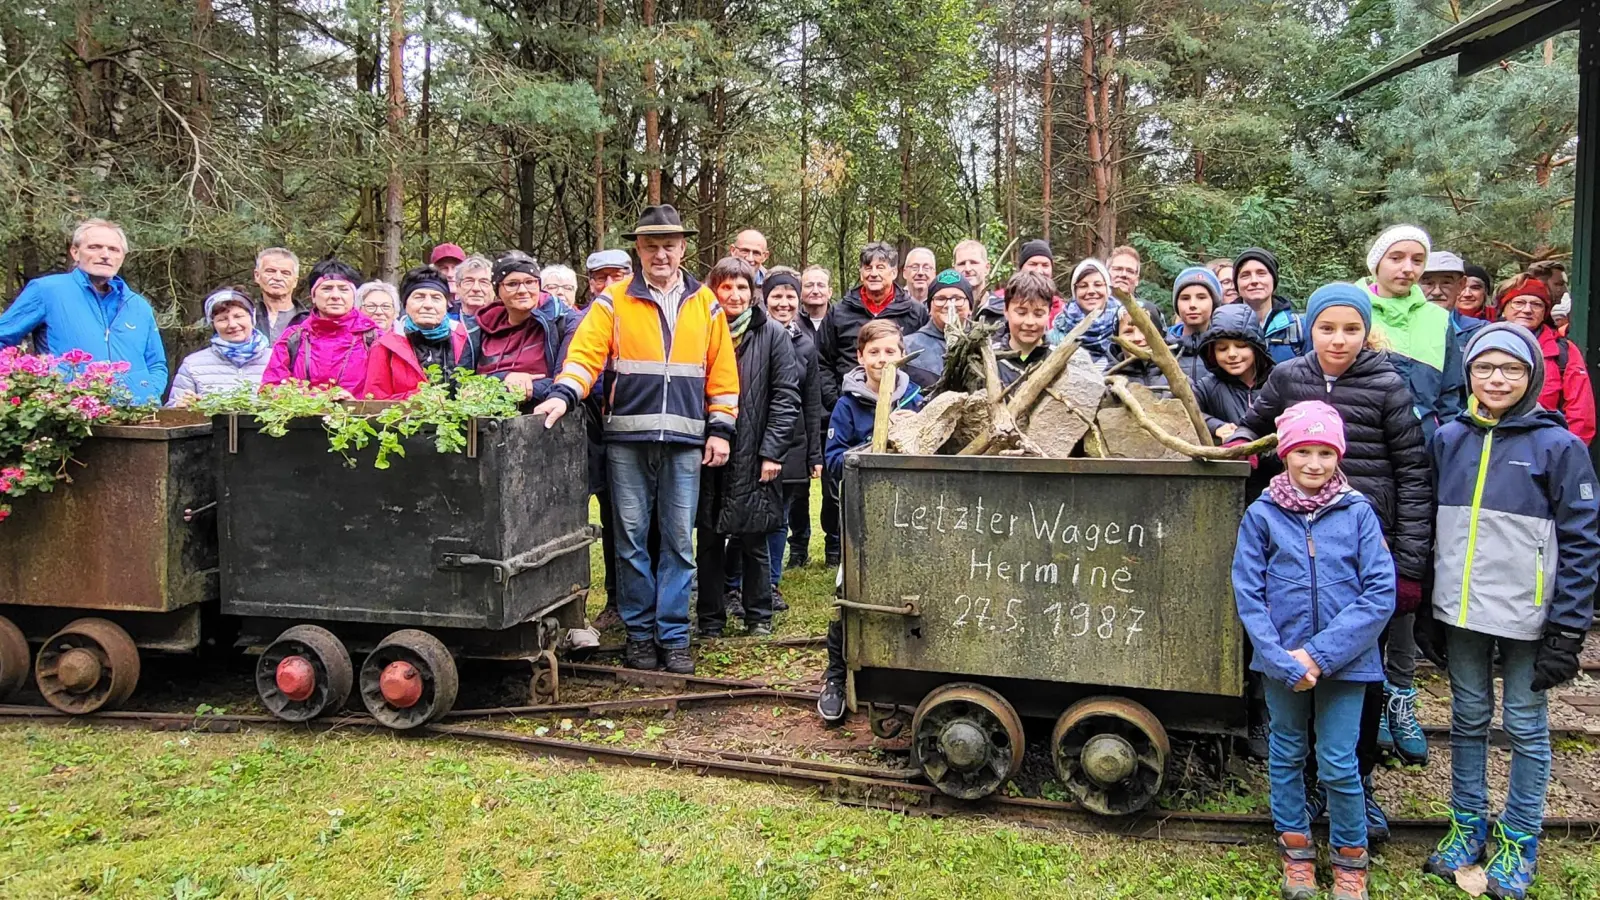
point(237, 355)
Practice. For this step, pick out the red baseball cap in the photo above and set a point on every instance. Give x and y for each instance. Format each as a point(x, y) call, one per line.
point(447, 252)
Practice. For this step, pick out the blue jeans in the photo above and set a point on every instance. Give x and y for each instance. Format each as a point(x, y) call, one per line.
point(655, 482)
point(1336, 706)
point(1524, 713)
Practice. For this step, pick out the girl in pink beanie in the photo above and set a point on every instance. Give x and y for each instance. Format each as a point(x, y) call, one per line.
point(1313, 547)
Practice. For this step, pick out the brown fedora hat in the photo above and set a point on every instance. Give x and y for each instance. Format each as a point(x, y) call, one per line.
point(661, 219)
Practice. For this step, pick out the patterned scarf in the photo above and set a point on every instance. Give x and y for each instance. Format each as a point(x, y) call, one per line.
point(435, 334)
point(242, 353)
point(1287, 496)
point(740, 326)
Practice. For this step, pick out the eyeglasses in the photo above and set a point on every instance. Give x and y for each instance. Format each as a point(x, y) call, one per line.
point(521, 284)
point(479, 280)
point(1525, 303)
point(1512, 371)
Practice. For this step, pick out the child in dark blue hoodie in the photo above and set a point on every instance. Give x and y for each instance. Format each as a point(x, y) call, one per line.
point(1315, 585)
point(877, 345)
point(1515, 565)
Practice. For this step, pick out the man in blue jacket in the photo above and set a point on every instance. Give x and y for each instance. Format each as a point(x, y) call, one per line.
point(92, 309)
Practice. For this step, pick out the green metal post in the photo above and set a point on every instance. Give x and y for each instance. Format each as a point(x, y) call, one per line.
point(1585, 225)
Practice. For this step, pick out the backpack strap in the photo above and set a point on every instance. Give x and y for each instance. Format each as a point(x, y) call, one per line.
point(292, 348)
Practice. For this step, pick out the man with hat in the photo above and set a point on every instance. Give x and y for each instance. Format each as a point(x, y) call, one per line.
point(670, 402)
point(949, 300)
point(605, 268)
point(1443, 277)
point(445, 258)
point(1255, 275)
point(1037, 257)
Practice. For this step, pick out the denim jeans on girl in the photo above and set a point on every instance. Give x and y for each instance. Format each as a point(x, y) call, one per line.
point(1524, 713)
point(1335, 706)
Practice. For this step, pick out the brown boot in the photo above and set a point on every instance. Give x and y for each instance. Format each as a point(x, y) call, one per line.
point(1349, 873)
point(1299, 866)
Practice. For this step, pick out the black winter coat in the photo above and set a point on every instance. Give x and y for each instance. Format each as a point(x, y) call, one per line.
point(836, 342)
point(733, 498)
point(806, 451)
point(1385, 457)
point(1223, 398)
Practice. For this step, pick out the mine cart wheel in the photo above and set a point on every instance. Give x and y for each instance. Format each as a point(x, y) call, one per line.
point(304, 673)
point(1111, 753)
point(967, 739)
point(409, 680)
point(90, 664)
point(14, 658)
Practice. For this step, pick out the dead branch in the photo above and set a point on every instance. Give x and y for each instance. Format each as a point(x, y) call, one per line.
point(880, 413)
point(1162, 356)
point(1118, 385)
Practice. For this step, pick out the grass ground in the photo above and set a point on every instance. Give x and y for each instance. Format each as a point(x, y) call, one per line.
point(300, 815)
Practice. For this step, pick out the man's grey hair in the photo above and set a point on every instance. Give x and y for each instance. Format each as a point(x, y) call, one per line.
point(382, 287)
point(278, 251)
point(82, 230)
point(557, 269)
point(473, 262)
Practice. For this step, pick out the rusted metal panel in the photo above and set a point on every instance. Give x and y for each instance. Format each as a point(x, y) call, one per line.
point(114, 538)
point(1085, 571)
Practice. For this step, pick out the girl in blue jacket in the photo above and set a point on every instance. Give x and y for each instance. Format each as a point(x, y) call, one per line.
point(1515, 565)
point(1315, 585)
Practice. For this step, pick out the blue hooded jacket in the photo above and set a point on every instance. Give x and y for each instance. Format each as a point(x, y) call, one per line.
point(852, 421)
point(63, 312)
point(1518, 521)
point(1323, 582)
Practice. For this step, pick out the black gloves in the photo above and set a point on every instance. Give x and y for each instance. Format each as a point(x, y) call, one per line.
point(1428, 632)
point(1556, 662)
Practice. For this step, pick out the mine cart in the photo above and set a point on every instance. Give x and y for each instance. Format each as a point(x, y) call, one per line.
point(130, 539)
point(1091, 592)
point(481, 554)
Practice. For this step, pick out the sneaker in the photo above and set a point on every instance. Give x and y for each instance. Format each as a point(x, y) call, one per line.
point(1513, 862)
point(1316, 799)
point(758, 629)
point(830, 704)
point(608, 618)
point(709, 632)
point(1349, 873)
point(1299, 866)
point(678, 660)
point(1385, 736)
point(733, 604)
point(778, 605)
point(1255, 742)
point(1462, 846)
point(640, 655)
point(1400, 712)
point(1377, 822)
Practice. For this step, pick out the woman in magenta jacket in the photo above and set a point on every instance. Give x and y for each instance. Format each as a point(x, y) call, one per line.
point(328, 347)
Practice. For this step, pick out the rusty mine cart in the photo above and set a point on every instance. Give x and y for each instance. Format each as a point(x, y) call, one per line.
point(482, 554)
point(128, 539)
point(1091, 592)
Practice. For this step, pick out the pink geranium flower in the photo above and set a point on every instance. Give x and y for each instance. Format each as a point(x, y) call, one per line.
point(76, 357)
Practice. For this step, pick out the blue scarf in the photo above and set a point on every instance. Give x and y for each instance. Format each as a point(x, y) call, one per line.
point(242, 353)
point(435, 334)
point(1097, 340)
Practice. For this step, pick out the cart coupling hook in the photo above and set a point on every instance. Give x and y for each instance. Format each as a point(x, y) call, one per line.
point(911, 608)
point(539, 556)
point(189, 514)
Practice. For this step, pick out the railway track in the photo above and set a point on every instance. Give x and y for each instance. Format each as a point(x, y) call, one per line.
point(896, 789)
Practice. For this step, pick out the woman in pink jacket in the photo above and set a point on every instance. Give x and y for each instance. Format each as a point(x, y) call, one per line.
point(330, 346)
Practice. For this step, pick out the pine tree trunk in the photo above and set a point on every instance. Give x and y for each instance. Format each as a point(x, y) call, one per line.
point(394, 197)
point(1046, 128)
point(600, 136)
point(805, 148)
point(652, 115)
point(200, 113)
point(425, 125)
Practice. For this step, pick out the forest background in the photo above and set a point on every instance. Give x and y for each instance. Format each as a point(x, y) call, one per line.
point(373, 129)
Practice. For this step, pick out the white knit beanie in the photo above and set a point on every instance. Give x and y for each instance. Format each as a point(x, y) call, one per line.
point(1089, 265)
point(1394, 235)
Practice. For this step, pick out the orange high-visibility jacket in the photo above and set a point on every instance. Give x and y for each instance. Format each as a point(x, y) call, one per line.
point(676, 384)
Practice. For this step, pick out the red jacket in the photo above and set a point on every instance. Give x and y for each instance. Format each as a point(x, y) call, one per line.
point(1567, 390)
point(393, 372)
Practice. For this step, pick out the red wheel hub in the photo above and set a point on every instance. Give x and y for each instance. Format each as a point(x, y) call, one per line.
point(401, 684)
point(296, 678)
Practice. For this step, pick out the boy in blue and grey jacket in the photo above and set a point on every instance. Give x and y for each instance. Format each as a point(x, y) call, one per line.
point(1515, 563)
point(1315, 585)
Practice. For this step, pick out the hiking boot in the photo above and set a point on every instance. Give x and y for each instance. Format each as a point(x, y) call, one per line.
point(1462, 846)
point(831, 559)
point(709, 632)
point(1316, 799)
point(677, 660)
point(798, 560)
point(830, 704)
point(640, 655)
point(1349, 873)
point(1385, 736)
point(1400, 712)
point(1255, 742)
point(1512, 863)
point(1299, 866)
point(758, 629)
point(608, 618)
point(778, 605)
point(733, 604)
point(1377, 822)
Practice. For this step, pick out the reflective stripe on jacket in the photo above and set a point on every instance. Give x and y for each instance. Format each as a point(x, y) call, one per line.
point(672, 379)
